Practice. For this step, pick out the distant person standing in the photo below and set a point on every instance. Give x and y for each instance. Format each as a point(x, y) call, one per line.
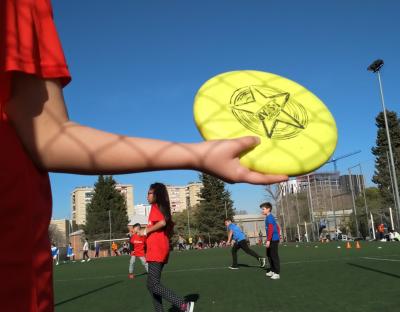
point(97, 250)
point(381, 231)
point(239, 237)
point(86, 251)
point(200, 243)
point(260, 238)
point(70, 253)
point(181, 242)
point(55, 253)
point(273, 233)
point(114, 248)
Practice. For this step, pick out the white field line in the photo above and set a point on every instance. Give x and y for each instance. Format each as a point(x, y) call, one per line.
point(226, 267)
point(381, 259)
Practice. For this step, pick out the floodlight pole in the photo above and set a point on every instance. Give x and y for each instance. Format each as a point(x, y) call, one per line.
point(188, 217)
point(305, 226)
point(391, 183)
point(298, 214)
point(311, 206)
point(375, 67)
point(391, 217)
point(373, 226)
point(333, 209)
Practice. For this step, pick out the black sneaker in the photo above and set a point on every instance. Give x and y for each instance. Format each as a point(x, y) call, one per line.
point(262, 262)
point(233, 267)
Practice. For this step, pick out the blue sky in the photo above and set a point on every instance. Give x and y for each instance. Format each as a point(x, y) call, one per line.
point(137, 65)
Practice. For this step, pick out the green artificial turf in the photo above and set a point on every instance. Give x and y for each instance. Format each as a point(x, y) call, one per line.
point(314, 277)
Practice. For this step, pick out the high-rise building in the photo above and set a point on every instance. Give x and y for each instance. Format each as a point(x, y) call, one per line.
point(177, 198)
point(81, 196)
point(183, 197)
point(193, 193)
point(141, 210)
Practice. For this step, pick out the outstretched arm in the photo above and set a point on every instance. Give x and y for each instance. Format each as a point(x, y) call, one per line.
point(39, 115)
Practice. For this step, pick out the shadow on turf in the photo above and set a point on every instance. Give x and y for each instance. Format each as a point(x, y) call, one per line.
point(374, 270)
point(87, 293)
point(191, 297)
point(248, 266)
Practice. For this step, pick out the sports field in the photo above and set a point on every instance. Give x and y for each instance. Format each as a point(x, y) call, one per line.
point(314, 277)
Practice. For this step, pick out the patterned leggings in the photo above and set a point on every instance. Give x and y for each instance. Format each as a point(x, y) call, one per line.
point(158, 291)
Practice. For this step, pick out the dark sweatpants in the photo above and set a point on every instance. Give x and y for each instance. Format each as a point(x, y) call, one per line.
point(242, 245)
point(273, 257)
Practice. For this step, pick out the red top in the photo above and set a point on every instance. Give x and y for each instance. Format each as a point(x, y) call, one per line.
point(157, 242)
point(28, 43)
point(139, 243)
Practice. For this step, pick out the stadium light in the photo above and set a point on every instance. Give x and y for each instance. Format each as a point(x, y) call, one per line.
point(376, 66)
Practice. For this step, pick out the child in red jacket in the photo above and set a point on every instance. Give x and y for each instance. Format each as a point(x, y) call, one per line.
point(138, 247)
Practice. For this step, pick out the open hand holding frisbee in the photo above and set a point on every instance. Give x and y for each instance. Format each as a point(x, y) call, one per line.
point(298, 133)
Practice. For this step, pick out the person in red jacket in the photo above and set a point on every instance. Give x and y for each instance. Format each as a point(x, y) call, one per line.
point(38, 137)
point(138, 243)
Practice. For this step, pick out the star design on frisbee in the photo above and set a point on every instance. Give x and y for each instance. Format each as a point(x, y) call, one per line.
point(267, 109)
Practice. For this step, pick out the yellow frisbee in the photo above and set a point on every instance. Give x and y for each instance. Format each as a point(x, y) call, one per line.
point(298, 133)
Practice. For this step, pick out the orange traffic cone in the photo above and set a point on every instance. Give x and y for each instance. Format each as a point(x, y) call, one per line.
point(348, 245)
point(358, 246)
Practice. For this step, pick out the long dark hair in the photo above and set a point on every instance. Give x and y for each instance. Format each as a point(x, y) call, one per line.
point(161, 196)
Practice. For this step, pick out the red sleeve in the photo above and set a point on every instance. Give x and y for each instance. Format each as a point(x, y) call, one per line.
point(155, 214)
point(270, 232)
point(29, 42)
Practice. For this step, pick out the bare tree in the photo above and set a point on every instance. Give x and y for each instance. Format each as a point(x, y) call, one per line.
point(56, 236)
point(274, 192)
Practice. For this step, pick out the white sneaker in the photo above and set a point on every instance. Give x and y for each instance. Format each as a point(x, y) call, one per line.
point(269, 274)
point(275, 276)
point(83, 261)
point(233, 268)
point(88, 260)
point(190, 306)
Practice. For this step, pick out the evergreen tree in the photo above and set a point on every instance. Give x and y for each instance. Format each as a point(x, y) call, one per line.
point(382, 174)
point(106, 198)
point(375, 206)
point(181, 225)
point(215, 206)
